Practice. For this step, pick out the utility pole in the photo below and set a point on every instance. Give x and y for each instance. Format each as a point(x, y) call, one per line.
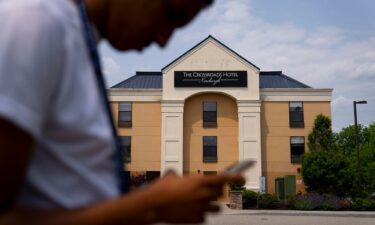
point(359, 176)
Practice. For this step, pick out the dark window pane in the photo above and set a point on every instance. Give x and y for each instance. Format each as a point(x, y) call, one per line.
point(209, 149)
point(125, 119)
point(209, 106)
point(125, 107)
point(125, 145)
point(209, 141)
point(209, 116)
point(125, 116)
point(296, 114)
point(297, 148)
point(125, 140)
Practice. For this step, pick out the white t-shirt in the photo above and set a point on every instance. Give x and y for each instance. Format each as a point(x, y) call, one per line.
point(48, 88)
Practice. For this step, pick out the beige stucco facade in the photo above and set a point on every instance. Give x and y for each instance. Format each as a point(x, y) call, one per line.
point(226, 133)
point(252, 123)
point(145, 136)
point(276, 134)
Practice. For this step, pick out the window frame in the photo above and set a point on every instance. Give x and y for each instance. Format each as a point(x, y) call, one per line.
point(294, 159)
point(126, 158)
point(296, 123)
point(206, 149)
point(125, 123)
point(209, 124)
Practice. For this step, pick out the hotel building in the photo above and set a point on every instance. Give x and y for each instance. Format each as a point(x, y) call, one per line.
point(211, 107)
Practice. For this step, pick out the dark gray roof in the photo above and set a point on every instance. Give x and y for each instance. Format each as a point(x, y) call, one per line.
point(142, 80)
point(276, 79)
point(154, 80)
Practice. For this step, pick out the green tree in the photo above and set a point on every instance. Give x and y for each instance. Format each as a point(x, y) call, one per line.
point(368, 168)
point(345, 139)
point(327, 172)
point(321, 136)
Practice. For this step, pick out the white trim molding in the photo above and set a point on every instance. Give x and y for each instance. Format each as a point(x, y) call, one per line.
point(134, 95)
point(296, 94)
point(172, 136)
point(250, 140)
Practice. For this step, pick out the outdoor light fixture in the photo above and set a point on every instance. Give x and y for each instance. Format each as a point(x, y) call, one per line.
point(357, 143)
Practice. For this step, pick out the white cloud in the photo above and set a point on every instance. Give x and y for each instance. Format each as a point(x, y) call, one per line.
point(342, 101)
point(316, 56)
point(321, 57)
point(111, 70)
point(110, 66)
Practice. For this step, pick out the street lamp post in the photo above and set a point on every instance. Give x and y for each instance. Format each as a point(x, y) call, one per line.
point(357, 143)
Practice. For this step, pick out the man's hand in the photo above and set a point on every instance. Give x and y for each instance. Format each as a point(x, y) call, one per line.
point(187, 199)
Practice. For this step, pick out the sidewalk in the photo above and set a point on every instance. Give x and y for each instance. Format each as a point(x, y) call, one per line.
point(227, 211)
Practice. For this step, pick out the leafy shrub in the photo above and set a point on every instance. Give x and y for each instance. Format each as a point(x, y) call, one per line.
point(302, 203)
point(361, 204)
point(249, 199)
point(330, 202)
point(268, 201)
point(317, 202)
point(344, 204)
point(138, 180)
point(289, 203)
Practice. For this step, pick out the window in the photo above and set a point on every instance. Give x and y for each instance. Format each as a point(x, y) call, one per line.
point(125, 145)
point(125, 114)
point(297, 148)
point(296, 114)
point(209, 149)
point(209, 114)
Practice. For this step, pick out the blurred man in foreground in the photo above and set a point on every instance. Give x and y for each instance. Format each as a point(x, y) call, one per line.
point(56, 148)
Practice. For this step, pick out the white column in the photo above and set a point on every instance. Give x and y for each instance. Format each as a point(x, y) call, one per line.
point(250, 140)
point(172, 136)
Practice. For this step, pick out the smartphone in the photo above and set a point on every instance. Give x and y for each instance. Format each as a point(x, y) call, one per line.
point(240, 166)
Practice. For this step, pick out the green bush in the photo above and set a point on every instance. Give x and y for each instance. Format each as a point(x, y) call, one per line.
point(330, 202)
point(304, 204)
point(327, 172)
point(344, 204)
point(249, 199)
point(289, 203)
point(361, 204)
point(268, 201)
point(315, 201)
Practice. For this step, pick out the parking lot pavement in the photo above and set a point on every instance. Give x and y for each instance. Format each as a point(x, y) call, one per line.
point(289, 217)
point(224, 219)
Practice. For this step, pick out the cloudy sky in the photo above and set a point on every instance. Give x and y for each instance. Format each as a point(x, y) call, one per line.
point(323, 43)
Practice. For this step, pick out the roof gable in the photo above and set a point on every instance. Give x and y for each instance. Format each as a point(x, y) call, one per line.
point(209, 38)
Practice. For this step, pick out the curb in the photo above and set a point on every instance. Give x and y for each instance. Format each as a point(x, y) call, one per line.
point(300, 213)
